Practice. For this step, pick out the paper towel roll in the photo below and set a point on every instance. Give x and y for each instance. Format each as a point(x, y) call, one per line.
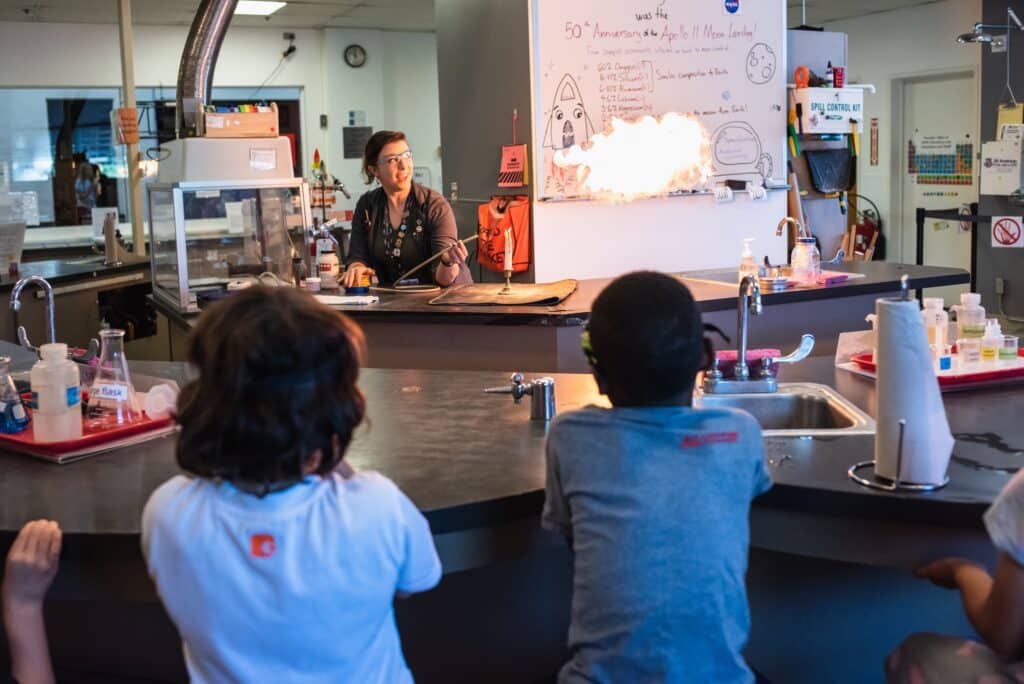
point(907, 388)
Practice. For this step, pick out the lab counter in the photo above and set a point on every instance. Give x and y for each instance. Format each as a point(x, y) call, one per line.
point(474, 464)
point(85, 293)
point(406, 331)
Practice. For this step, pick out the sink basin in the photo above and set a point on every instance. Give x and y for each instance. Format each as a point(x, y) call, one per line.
point(797, 410)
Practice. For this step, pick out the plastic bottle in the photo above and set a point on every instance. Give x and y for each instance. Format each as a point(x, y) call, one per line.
point(936, 322)
point(805, 261)
point(12, 414)
point(992, 341)
point(970, 316)
point(748, 267)
point(56, 400)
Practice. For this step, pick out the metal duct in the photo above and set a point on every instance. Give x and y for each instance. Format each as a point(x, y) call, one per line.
point(195, 74)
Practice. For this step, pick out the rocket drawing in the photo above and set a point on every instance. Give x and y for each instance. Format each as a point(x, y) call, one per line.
point(568, 124)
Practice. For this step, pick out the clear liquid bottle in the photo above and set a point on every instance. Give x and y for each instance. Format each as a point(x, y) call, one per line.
point(12, 413)
point(936, 322)
point(805, 260)
point(112, 400)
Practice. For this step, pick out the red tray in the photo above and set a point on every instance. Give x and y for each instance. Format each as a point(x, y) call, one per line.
point(949, 380)
point(92, 440)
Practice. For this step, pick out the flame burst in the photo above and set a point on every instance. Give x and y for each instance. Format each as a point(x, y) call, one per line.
point(644, 157)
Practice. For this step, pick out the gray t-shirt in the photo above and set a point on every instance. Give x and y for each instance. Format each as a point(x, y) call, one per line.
point(656, 502)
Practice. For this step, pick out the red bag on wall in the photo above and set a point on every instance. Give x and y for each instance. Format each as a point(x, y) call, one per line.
point(502, 212)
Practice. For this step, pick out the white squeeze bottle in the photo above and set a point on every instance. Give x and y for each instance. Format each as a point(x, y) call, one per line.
point(748, 267)
point(970, 316)
point(56, 404)
point(991, 341)
point(936, 322)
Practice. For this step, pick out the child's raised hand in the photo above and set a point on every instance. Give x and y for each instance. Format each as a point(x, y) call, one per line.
point(32, 562)
point(943, 572)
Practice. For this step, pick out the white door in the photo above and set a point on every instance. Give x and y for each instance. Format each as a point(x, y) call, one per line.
point(939, 169)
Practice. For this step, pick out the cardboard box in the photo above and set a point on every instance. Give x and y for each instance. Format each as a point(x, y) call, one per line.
point(242, 124)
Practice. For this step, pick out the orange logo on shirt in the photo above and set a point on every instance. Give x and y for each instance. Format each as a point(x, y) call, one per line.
point(262, 545)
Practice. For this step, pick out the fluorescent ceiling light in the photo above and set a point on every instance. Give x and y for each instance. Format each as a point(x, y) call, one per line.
point(259, 8)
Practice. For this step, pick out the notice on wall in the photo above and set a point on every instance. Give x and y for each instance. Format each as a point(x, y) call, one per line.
point(354, 139)
point(1006, 231)
point(722, 62)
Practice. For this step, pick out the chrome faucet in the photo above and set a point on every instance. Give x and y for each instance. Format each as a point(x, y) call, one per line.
point(801, 229)
point(16, 306)
point(749, 303)
point(741, 383)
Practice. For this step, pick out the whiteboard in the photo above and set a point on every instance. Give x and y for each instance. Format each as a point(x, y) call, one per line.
point(720, 60)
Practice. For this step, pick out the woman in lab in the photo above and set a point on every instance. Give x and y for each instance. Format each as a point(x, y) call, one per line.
point(400, 223)
point(85, 191)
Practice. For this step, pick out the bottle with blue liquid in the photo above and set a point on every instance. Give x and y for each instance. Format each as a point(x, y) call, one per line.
point(13, 417)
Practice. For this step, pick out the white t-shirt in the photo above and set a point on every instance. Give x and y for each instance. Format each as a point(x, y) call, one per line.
point(1004, 519)
point(296, 586)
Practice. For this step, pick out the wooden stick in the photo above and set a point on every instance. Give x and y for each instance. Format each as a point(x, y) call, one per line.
point(869, 253)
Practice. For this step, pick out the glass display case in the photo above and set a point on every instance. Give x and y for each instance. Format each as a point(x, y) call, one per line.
point(205, 235)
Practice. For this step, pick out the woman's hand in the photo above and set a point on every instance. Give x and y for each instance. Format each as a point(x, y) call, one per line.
point(456, 254)
point(354, 274)
point(943, 572)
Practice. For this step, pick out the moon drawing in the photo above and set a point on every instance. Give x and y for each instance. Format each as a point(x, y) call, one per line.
point(760, 63)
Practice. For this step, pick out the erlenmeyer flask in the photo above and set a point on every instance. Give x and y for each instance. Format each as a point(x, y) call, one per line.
point(112, 397)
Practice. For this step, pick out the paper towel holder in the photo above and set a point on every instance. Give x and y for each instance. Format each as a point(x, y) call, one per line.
point(876, 481)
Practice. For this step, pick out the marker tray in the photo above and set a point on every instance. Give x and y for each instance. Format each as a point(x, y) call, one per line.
point(989, 374)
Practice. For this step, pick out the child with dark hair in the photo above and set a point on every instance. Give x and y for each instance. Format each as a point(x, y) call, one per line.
point(276, 561)
point(654, 497)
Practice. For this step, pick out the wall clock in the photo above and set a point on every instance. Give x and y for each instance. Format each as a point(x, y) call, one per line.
point(355, 56)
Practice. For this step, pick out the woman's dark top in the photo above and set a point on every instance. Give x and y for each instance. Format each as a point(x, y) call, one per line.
point(428, 227)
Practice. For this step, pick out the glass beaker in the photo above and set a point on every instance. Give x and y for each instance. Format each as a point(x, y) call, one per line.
point(112, 399)
point(12, 413)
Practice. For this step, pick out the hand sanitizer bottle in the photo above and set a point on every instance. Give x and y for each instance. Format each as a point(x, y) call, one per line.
point(748, 267)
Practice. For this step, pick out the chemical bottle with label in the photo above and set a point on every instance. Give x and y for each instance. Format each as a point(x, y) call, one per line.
point(327, 263)
point(56, 402)
point(112, 400)
point(748, 267)
point(13, 417)
point(936, 323)
point(970, 316)
point(992, 341)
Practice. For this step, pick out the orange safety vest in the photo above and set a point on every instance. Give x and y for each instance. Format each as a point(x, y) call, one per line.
point(501, 213)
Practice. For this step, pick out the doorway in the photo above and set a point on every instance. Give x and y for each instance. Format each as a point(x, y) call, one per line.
point(938, 118)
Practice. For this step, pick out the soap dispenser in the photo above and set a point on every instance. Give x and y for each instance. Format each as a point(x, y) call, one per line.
point(748, 267)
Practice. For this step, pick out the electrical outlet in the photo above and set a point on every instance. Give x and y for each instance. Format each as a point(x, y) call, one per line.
point(323, 121)
point(1000, 286)
point(289, 36)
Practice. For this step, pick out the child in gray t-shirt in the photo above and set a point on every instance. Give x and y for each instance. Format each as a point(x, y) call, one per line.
point(654, 496)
